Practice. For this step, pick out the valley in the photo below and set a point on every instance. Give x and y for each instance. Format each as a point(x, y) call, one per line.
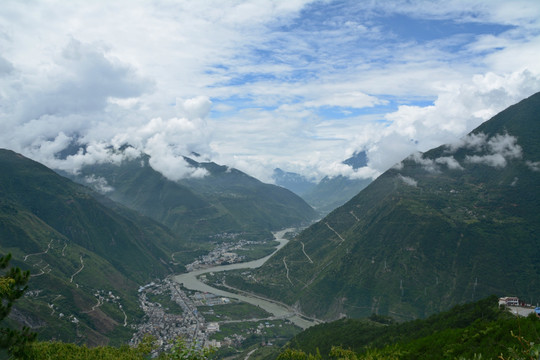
point(182, 305)
point(202, 259)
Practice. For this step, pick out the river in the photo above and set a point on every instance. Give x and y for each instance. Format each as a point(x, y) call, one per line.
point(190, 281)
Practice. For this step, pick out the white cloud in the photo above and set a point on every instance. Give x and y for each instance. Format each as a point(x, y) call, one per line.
point(198, 107)
point(455, 112)
point(450, 162)
point(495, 151)
point(299, 85)
point(427, 164)
point(99, 184)
point(408, 180)
point(494, 160)
point(349, 99)
point(432, 165)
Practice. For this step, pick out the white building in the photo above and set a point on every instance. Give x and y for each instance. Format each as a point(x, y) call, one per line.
point(509, 301)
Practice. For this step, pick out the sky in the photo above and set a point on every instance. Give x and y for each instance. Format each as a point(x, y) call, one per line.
point(258, 84)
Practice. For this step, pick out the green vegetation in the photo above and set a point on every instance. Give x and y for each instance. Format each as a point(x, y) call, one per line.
point(77, 244)
point(20, 344)
point(257, 250)
point(12, 287)
point(470, 331)
point(65, 351)
point(224, 201)
point(423, 236)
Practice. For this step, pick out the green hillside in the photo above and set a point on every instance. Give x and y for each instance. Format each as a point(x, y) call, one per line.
point(225, 200)
point(453, 225)
point(465, 332)
point(250, 202)
point(78, 249)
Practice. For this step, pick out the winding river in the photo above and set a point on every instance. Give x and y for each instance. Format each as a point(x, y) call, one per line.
point(190, 281)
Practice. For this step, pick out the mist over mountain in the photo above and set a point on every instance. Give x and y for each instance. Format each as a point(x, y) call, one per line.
point(332, 192)
point(297, 183)
point(220, 199)
point(455, 224)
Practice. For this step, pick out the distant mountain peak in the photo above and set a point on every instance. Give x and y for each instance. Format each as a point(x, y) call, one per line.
point(358, 160)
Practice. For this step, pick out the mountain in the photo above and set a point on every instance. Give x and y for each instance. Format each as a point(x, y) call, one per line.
point(358, 160)
point(224, 200)
point(82, 249)
point(455, 224)
point(332, 192)
point(297, 183)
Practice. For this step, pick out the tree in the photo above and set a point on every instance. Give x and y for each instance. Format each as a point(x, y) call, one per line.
point(183, 351)
point(12, 286)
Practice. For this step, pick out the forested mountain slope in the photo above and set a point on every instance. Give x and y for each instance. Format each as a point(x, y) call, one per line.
point(77, 245)
point(452, 225)
point(224, 200)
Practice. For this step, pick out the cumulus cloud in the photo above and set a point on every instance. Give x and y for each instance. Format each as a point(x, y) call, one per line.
point(340, 169)
point(82, 101)
point(198, 107)
point(456, 110)
point(494, 160)
point(81, 81)
point(474, 141)
point(493, 151)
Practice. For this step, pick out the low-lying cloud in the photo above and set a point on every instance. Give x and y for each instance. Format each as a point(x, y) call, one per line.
point(495, 151)
point(408, 180)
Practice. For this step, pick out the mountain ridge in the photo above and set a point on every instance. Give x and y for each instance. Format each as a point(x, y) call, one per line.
point(451, 225)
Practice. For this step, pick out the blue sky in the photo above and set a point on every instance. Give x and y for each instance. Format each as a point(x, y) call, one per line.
point(259, 84)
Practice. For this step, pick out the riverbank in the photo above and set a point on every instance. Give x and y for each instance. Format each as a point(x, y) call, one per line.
point(279, 310)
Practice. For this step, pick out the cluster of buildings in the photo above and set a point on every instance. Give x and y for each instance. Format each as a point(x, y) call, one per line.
point(222, 254)
point(165, 326)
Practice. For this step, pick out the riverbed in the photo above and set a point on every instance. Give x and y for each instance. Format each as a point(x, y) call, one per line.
point(190, 281)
